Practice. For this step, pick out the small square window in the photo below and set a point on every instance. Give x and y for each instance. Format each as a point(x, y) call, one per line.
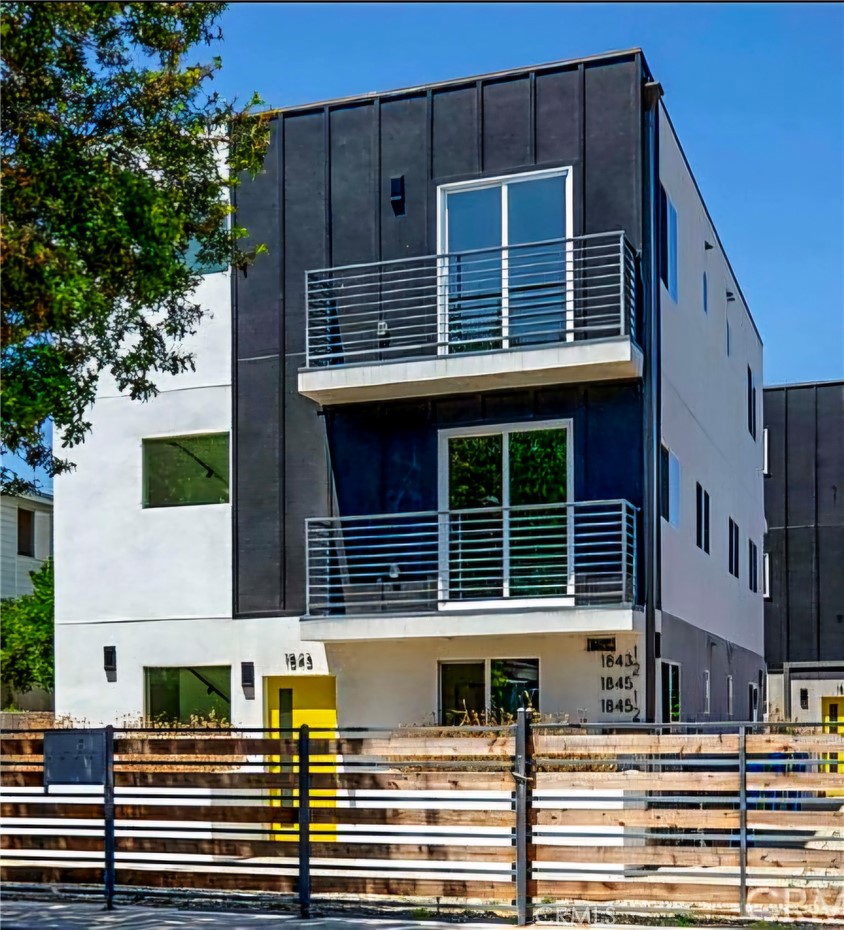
point(26, 532)
point(184, 470)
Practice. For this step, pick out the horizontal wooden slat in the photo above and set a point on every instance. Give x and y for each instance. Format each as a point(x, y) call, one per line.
point(628, 891)
point(50, 874)
point(715, 744)
point(689, 781)
point(479, 891)
point(411, 817)
point(689, 818)
point(698, 856)
point(236, 880)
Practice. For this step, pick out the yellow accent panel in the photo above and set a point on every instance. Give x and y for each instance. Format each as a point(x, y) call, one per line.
point(314, 703)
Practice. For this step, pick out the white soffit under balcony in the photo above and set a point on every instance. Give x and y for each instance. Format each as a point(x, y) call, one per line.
point(612, 359)
point(444, 623)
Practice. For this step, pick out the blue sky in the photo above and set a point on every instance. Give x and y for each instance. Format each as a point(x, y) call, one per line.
point(756, 92)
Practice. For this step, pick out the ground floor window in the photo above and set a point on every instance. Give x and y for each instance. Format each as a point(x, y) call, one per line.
point(487, 689)
point(670, 692)
point(188, 694)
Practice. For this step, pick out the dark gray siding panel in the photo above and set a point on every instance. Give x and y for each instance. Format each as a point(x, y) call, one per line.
point(258, 488)
point(456, 146)
point(353, 185)
point(506, 125)
point(258, 319)
point(404, 153)
point(830, 437)
point(776, 606)
point(774, 413)
point(831, 592)
point(800, 456)
point(613, 168)
point(558, 118)
point(802, 601)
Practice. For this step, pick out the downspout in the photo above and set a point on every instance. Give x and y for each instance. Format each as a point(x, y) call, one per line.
point(651, 392)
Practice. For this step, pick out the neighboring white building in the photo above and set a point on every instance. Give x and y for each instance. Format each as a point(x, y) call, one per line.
point(26, 524)
point(514, 481)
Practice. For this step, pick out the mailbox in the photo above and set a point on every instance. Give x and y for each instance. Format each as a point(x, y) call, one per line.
point(74, 757)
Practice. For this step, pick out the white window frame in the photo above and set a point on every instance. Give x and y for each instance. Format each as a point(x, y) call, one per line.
point(487, 664)
point(766, 575)
point(707, 692)
point(502, 181)
point(504, 430)
point(730, 696)
point(766, 469)
point(679, 667)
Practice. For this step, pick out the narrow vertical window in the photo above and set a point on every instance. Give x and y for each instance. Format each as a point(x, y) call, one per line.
point(705, 293)
point(668, 243)
point(733, 547)
point(751, 402)
point(766, 574)
point(26, 532)
point(766, 470)
point(673, 489)
point(729, 695)
point(707, 692)
point(728, 336)
point(701, 518)
point(752, 566)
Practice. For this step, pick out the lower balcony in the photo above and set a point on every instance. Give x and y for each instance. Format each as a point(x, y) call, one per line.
point(532, 568)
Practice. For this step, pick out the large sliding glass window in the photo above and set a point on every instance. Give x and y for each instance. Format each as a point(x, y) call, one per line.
point(507, 264)
point(487, 690)
point(508, 526)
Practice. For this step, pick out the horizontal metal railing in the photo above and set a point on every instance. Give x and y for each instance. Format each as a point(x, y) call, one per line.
point(579, 554)
point(556, 291)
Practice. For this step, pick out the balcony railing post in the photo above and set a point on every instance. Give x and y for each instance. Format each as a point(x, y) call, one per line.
point(622, 309)
point(307, 320)
point(623, 515)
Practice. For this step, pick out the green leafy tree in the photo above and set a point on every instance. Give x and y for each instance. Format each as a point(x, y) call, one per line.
point(26, 635)
point(118, 159)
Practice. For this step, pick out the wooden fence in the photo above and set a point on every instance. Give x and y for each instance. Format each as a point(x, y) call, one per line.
point(524, 819)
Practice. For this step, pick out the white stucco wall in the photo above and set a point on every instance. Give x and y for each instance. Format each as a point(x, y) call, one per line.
point(397, 683)
point(116, 560)
point(704, 423)
point(84, 693)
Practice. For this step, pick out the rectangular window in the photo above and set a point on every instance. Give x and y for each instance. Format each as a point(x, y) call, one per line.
point(487, 690)
point(506, 263)
point(751, 402)
point(26, 532)
point(765, 460)
point(507, 533)
point(182, 470)
point(766, 574)
point(670, 692)
point(188, 694)
point(705, 293)
point(668, 244)
point(733, 548)
point(670, 487)
point(729, 695)
point(707, 692)
point(728, 335)
point(702, 518)
point(752, 566)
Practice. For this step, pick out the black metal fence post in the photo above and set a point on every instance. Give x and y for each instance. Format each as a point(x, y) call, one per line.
point(521, 774)
point(108, 817)
point(742, 820)
point(304, 821)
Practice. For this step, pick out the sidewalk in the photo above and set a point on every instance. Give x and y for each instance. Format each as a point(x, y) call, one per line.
point(53, 915)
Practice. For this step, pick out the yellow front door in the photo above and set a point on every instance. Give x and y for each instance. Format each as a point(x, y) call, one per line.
point(832, 711)
point(290, 701)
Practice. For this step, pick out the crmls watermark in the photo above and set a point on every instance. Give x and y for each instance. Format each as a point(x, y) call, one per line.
point(573, 915)
point(774, 903)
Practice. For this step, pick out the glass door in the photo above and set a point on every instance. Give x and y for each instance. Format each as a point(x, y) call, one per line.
point(507, 271)
point(508, 526)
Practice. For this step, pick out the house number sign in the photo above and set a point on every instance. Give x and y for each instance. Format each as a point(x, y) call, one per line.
point(619, 694)
point(297, 662)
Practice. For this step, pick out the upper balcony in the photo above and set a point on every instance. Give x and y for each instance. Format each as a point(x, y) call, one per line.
point(552, 312)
